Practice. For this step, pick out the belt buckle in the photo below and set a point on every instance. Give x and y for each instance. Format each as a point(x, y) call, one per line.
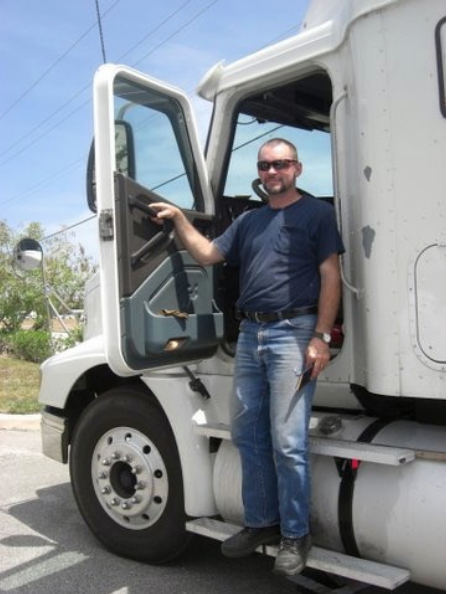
point(257, 318)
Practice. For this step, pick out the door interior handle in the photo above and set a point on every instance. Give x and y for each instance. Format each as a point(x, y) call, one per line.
point(162, 235)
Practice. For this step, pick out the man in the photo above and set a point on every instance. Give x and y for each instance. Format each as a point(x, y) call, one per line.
point(290, 290)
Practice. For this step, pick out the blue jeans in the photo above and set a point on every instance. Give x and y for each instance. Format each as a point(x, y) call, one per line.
point(270, 422)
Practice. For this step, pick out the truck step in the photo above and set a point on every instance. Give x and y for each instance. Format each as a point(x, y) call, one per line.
point(337, 448)
point(360, 570)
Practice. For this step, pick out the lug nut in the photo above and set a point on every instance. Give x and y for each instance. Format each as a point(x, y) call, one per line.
point(106, 490)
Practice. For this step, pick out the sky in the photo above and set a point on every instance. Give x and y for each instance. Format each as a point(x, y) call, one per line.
point(49, 52)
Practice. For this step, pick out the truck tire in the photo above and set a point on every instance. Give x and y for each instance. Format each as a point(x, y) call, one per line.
point(126, 476)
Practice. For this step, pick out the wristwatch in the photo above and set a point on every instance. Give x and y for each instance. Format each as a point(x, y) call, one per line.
point(324, 336)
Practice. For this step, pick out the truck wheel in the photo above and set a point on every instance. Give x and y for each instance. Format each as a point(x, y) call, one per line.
point(126, 476)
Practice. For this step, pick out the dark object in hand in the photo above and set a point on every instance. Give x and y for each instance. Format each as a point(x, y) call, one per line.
point(304, 378)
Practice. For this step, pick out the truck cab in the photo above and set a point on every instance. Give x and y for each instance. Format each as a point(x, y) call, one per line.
point(141, 407)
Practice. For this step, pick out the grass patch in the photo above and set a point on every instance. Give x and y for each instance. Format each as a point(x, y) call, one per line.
point(19, 386)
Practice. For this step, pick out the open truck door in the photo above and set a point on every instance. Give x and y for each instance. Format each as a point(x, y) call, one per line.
point(158, 307)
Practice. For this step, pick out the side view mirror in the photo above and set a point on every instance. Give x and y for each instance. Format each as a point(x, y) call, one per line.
point(27, 254)
point(125, 160)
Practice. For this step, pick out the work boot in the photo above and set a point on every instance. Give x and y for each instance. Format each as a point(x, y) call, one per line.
point(247, 540)
point(292, 556)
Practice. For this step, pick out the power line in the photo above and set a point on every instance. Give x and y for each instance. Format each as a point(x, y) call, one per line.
point(49, 117)
point(44, 74)
point(35, 140)
point(44, 182)
point(41, 123)
point(289, 32)
point(168, 38)
point(68, 228)
point(86, 87)
point(65, 229)
point(64, 170)
point(177, 31)
point(99, 22)
point(155, 29)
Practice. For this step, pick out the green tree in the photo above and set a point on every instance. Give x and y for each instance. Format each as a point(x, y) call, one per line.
point(18, 295)
point(66, 266)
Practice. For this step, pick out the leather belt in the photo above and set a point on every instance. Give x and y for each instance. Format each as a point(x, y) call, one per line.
point(258, 316)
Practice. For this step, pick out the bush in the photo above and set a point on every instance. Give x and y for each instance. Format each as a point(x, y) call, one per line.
point(31, 345)
point(4, 346)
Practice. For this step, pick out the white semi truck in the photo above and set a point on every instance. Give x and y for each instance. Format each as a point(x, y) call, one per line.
point(140, 409)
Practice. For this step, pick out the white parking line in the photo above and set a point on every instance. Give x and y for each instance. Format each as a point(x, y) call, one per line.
point(43, 569)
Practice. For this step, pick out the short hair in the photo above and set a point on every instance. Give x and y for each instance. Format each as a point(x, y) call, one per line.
point(276, 141)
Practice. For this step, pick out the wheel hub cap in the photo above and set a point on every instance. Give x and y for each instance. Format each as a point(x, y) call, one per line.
point(130, 478)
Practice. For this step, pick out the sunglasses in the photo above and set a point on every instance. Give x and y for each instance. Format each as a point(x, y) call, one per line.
point(278, 164)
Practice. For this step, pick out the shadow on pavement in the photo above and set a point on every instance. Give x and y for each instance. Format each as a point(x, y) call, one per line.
point(49, 550)
point(54, 553)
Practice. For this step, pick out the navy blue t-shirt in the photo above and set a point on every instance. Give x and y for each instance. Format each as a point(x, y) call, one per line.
point(279, 252)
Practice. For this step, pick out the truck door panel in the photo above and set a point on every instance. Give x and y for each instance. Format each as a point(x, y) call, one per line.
point(157, 302)
point(166, 297)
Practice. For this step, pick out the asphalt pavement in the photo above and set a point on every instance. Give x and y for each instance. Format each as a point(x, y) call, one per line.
point(46, 548)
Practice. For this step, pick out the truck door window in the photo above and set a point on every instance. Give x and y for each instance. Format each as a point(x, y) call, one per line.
point(313, 147)
point(163, 159)
point(299, 112)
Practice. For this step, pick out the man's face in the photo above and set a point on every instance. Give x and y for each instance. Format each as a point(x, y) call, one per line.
point(274, 181)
